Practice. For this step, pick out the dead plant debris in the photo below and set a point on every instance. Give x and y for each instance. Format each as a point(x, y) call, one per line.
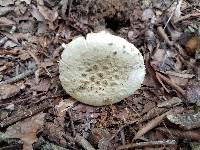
point(36, 113)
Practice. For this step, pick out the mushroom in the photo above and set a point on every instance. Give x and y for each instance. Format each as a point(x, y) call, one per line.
point(101, 69)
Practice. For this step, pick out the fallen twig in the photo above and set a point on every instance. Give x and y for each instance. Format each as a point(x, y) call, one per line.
point(4, 39)
point(39, 65)
point(57, 51)
point(181, 51)
point(81, 141)
point(150, 125)
point(155, 122)
point(22, 101)
point(25, 113)
point(121, 128)
point(71, 122)
point(122, 137)
point(35, 58)
point(150, 143)
point(187, 17)
point(173, 85)
point(186, 135)
point(69, 7)
point(18, 77)
point(9, 51)
point(64, 8)
point(161, 82)
point(164, 36)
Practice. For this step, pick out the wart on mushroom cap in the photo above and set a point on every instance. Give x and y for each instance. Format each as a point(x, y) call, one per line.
point(102, 69)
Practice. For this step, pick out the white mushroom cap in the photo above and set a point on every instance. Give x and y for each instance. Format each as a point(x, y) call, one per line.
point(102, 69)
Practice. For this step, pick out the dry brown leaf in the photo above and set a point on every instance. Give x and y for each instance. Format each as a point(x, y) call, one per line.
point(2, 68)
point(181, 75)
point(50, 15)
point(186, 121)
point(148, 106)
point(47, 63)
point(24, 55)
point(26, 27)
point(161, 60)
point(8, 90)
point(6, 22)
point(42, 28)
point(170, 103)
point(182, 82)
point(153, 113)
point(36, 14)
point(26, 130)
point(42, 86)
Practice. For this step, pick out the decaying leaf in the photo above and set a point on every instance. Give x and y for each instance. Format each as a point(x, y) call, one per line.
point(6, 22)
point(43, 144)
point(193, 94)
point(42, 86)
point(36, 14)
point(186, 121)
point(170, 103)
point(50, 15)
point(64, 105)
point(163, 60)
point(8, 90)
point(97, 135)
point(26, 130)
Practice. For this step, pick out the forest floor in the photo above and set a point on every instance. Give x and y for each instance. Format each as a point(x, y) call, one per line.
point(35, 111)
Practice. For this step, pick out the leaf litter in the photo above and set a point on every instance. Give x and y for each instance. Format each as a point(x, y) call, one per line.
point(31, 35)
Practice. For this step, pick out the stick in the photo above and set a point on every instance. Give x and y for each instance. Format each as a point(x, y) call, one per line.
point(187, 17)
point(18, 77)
point(4, 39)
point(80, 140)
point(151, 124)
point(64, 8)
point(162, 33)
point(83, 142)
point(121, 128)
point(72, 123)
point(150, 143)
point(173, 85)
point(22, 114)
